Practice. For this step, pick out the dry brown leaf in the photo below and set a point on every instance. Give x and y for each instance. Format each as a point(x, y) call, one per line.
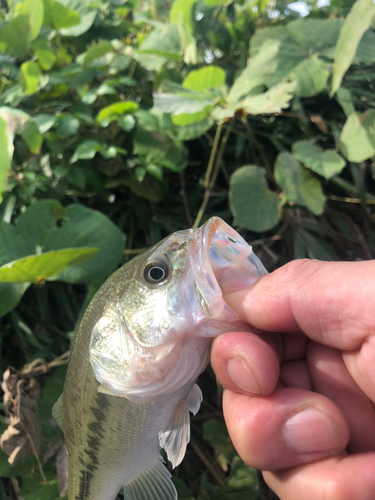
point(23, 435)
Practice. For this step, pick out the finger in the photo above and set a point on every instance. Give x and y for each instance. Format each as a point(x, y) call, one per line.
point(331, 302)
point(245, 362)
point(296, 374)
point(336, 478)
point(330, 377)
point(288, 428)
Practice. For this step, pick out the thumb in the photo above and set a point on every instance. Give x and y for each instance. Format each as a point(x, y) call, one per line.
point(332, 303)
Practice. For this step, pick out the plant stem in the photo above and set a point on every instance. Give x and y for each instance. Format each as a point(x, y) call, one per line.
point(210, 180)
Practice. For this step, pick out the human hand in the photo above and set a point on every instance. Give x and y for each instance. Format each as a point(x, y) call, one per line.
point(300, 405)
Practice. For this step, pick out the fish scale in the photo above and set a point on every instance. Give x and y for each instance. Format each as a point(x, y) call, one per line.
point(130, 382)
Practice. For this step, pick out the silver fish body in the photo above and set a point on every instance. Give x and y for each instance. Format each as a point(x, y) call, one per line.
point(142, 343)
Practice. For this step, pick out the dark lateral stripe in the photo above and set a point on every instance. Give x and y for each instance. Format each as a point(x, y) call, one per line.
point(94, 437)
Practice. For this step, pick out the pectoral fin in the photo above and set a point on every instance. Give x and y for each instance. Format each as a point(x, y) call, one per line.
point(176, 434)
point(195, 398)
point(154, 484)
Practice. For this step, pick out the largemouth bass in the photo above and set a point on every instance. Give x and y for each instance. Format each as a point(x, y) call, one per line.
point(141, 344)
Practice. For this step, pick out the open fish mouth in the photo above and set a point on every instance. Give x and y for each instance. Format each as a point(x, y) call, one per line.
point(218, 255)
point(129, 364)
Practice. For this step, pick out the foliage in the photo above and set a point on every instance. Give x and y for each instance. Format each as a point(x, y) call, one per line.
point(122, 121)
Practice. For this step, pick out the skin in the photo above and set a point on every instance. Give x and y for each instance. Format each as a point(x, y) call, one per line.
point(299, 405)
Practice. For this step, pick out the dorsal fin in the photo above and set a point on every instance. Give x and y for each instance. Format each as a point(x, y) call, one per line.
point(154, 484)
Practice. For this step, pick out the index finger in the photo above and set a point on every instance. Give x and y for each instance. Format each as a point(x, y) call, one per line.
point(332, 303)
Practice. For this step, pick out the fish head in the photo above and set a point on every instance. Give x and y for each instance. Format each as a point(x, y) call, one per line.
point(154, 338)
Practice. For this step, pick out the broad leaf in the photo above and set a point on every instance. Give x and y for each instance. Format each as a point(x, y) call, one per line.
point(87, 14)
point(209, 77)
point(311, 77)
point(253, 205)
point(14, 38)
point(356, 23)
point(258, 70)
point(30, 76)
point(326, 163)
point(299, 186)
point(57, 16)
point(357, 139)
point(109, 113)
point(38, 268)
point(273, 101)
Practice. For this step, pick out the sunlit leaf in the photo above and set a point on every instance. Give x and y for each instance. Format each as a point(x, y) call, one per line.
point(356, 23)
point(357, 139)
point(311, 77)
point(273, 101)
point(30, 76)
point(111, 112)
point(57, 16)
point(38, 268)
point(209, 77)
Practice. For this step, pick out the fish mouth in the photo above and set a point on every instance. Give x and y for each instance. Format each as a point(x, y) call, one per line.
point(219, 255)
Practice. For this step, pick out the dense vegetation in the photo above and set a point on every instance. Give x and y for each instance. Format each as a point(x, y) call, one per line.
point(123, 121)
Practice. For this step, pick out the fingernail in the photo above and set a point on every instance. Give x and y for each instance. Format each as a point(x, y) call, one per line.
point(236, 284)
point(242, 376)
point(311, 431)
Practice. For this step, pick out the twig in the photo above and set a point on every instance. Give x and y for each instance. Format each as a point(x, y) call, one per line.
point(219, 479)
point(350, 200)
point(210, 180)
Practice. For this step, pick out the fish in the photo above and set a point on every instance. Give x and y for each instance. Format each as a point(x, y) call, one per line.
point(142, 342)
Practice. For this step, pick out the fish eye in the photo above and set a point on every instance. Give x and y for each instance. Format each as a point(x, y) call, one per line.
point(156, 272)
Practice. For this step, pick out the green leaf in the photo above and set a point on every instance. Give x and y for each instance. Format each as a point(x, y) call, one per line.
point(356, 23)
point(86, 151)
point(30, 76)
point(258, 70)
point(181, 13)
point(5, 158)
point(253, 205)
point(14, 38)
point(109, 113)
point(38, 268)
point(273, 101)
point(35, 10)
point(163, 41)
point(299, 186)
point(48, 226)
point(326, 163)
point(57, 17)
point(344, 98)
point(86, 12)
point(97, 50)
point(22, 124)
point(206, 78)
point(311, 77)
point(44, 54)
point(10, 296)
point(357, 139)
point(178, 100)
